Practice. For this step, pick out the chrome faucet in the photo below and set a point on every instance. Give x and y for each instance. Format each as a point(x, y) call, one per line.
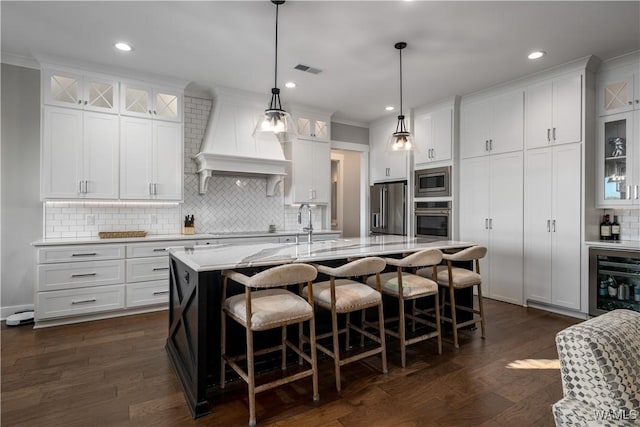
point(309, 228)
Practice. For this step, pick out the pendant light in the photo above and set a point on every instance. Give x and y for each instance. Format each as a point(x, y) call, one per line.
point(401, 139)
point(275, 120)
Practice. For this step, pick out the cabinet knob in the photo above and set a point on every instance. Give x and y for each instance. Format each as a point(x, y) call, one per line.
point(79, 101)
point(155, 112)
point(637, 101)
point(630, 103)
point(150, 112)
point(86, 102)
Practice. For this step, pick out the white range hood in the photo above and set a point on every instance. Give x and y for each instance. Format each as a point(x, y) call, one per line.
point(228, 146)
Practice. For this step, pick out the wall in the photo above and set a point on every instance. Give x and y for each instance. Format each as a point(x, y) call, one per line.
point(349, 133)
point(21, 207)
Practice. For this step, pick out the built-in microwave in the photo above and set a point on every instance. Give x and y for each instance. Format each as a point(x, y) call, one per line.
point(433, 182)
point(433, 220)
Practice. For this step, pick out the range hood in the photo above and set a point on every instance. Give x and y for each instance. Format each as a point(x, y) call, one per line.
point(228, 146)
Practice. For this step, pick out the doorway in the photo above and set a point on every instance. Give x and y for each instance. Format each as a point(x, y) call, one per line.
point(345, 192)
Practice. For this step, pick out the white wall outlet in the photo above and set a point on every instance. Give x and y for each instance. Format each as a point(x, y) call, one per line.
point(90, 220)
point(153, 219)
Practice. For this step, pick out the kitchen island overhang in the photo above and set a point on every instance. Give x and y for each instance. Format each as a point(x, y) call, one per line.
point(193, 341)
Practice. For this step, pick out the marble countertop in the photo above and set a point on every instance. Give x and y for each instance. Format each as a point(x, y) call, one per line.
point(616, 244)
point(222, 256)
point(169, 237)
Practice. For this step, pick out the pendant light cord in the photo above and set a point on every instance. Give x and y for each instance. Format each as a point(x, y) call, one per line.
point(400, 81)
point(275, 83)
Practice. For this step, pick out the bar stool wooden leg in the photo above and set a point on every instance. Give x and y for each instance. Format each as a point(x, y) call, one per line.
point(454, 323)
point(438, 327)
point(336, 346)
point(480, 306)
point(413, 316)
point(382, 339)
point(403, 347)
point(314, 358)
point(284, 348)
point(223, 346)
point(252, 381)
point(362, 322)
point(347, 334)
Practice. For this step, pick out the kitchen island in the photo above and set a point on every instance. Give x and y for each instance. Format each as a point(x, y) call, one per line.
point(193, 341)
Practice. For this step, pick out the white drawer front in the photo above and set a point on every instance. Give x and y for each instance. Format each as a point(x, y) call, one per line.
point(147, 293)
point(208, 242)
point(74, 275)
point(79, 301)
point(144, 250)
point(144, 269)
point(288, 239)
point(79, 253)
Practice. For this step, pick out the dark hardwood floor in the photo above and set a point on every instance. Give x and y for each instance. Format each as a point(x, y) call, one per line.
point(116, 372)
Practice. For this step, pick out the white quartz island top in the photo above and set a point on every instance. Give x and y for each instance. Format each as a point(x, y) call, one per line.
point(223, 256)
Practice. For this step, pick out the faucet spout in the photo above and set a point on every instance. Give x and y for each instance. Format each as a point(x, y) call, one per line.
point(309, 227)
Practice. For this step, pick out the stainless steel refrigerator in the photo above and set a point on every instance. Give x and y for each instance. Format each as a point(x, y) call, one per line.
point(388, 208)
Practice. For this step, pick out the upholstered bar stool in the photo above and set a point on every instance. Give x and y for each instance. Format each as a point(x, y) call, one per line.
point(406, 286)
point(459, 278)
point(268, 308)
point(343, 296)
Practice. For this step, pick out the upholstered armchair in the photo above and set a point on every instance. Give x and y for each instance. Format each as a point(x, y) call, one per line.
point(600, 367)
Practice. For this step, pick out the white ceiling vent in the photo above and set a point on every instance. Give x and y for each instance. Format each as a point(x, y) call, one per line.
point(307, 69)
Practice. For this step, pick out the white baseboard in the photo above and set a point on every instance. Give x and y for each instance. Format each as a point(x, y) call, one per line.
point(8, 311)
point(557, 310)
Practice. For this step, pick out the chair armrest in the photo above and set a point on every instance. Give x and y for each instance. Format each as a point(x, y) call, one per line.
point(573, 412)
point(395, 262)
point(329, 271)
point(236, 277)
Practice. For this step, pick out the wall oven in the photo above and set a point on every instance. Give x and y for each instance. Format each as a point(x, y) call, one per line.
point(433, 182)
point(433, 220)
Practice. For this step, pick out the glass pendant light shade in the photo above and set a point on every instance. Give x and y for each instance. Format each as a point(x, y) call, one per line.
point(276, 120)
point(401, 139)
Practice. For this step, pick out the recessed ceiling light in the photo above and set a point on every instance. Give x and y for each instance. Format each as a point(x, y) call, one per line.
point(290, 85)
point(537, 54)
point(125, 47)
point(390, 108)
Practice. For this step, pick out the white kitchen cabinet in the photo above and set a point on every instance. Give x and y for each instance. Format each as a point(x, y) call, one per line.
point(552, 239)
point(309, 177)
point(619, 90)
point(150, 159)
point(433, 133)
point(554, 111)
point(492, 125)
point(81, 91)
point(491, 209)
point(618, 157)
point(139, 100)
point(312, 125)
point(79, 154)
point(385, 165)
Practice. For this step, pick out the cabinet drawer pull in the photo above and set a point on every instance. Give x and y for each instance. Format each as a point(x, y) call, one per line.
point(84, 275)
point(160, 292)
point(159, 250)
point(85, 254)
point(160, 268)
point(84, 301)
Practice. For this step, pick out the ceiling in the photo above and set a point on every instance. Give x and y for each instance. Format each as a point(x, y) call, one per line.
point(454, 48)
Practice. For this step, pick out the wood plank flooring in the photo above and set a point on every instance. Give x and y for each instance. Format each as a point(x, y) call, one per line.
point(116, 373)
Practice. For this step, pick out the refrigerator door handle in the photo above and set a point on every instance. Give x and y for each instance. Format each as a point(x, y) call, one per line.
point(383, 207)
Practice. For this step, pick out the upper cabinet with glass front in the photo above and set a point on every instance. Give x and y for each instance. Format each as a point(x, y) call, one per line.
point(619, 90)
point(82, 91)
point(145, 101)
point(312, 125)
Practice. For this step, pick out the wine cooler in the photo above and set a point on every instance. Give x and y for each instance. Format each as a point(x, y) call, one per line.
point(614, 280)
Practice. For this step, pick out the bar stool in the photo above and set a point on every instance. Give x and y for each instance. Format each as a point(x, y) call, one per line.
point(408, 287)
point(344, 296)
point(459, 278)
point(264, 309)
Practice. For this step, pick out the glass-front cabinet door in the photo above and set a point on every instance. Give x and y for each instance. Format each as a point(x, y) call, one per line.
point(85, 92)
point(614, 280)
point(617, 152)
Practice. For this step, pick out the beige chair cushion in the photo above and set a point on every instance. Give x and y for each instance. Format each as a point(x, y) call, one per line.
point(412, 285)
point(350, 295)
point(269, 308)
point(462, 278)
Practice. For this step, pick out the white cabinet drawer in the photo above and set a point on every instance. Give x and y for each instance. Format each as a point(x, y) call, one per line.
point(143, 250)
point(288, 239)
point(147, 293)
point(73, 275)
point(79, 301)
point(208, 242)
point(79, 253)
point(143, 269)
